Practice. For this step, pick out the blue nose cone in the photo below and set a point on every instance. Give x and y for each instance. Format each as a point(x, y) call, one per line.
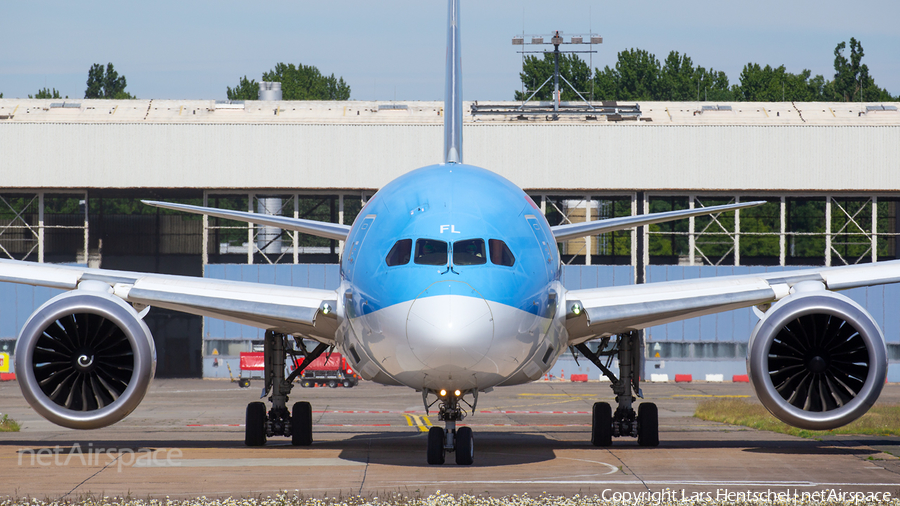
point(450, 327)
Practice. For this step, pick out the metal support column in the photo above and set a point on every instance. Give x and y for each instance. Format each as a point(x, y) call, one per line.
point(587, 239)
point(250, 246)
point(204, 241)
point(874, 229)
point(341, 221)
point(295, 237)
point(41, 227)
point(828, 231)
point(692, 239)
point(737, 233)
point(782, 239)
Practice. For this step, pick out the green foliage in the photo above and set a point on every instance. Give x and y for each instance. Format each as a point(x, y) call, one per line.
point(247, 89)
point(882, 420)
point(767, 84)
point(7, 424)
point(106, 83)
point(46, 93)
point(638, 75)
point(301, 82)
point(852, 82)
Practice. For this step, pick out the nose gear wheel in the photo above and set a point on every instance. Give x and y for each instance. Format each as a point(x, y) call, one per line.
point(450, 439)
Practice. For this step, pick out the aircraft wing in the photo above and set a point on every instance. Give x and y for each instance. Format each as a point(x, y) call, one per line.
point(311, 227)
point(574, 230)
point(600, 312)
point(285, 309)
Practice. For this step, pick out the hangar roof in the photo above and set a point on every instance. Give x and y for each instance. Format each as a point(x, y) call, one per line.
point(416, 112)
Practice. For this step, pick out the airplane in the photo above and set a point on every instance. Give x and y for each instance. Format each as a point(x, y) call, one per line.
point(451, 285)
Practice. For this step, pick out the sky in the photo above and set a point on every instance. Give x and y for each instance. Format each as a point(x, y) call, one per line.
point(394, 49)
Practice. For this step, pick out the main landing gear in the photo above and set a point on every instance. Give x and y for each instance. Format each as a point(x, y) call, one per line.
point(644, 425)
point(278, 421)
point(450, 439)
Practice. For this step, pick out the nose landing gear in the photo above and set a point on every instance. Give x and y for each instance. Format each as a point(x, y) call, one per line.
point(644, 425)
point(450, 439)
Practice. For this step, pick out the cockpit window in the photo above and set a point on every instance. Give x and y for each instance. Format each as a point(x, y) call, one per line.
point(469, 252)
point(399, 254)
point(500, 253)
point(430, 252)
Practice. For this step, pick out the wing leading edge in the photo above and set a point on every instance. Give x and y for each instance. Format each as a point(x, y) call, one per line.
point(574, 230)
point(311, 227)
point(599, 312)
point(285, 309)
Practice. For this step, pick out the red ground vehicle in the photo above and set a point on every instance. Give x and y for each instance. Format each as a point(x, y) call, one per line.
point(332, 370)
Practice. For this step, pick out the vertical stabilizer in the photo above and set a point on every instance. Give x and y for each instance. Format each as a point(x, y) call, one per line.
point(453, 91)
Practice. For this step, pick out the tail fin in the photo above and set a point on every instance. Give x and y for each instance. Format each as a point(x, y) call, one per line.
point(453, 89)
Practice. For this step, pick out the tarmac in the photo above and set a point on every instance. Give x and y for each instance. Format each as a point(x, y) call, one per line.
point(186, 440)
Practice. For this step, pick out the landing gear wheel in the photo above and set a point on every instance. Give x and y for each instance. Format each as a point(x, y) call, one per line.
point(648, 424)
point(244, 383)
point(435, 446)
point(465, 447)
point(601, 425)
point(332, 383)
point(301, 424)
point(255, 426)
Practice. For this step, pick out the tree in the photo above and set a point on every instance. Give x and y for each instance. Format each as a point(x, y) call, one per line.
point(535, 71)
point(46, 93)
point(247, 89)
point(677, 79)
point(852, 82)
point(301, 82)
point(106, 84)
point(638, 73)
point(768, 84)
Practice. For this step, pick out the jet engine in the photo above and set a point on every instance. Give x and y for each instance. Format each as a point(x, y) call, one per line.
point(816, 359)
point(85, 359)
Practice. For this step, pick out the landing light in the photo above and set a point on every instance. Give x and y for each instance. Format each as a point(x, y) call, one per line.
point(457, 393)
point(443, 393)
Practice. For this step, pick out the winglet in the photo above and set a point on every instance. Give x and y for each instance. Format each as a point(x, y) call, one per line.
point(453, 115)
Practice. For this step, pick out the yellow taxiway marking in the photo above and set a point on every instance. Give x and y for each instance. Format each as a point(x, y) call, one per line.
point(422, 422)
point(709, 395)
point(557, 395)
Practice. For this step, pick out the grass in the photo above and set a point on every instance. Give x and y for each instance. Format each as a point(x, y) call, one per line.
point(7, 424)
point(879, 421)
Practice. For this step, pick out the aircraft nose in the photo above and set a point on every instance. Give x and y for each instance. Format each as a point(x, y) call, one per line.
point(450, 327)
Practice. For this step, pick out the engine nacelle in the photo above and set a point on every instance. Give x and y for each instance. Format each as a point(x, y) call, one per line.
point(817, 360)
point(85, 359)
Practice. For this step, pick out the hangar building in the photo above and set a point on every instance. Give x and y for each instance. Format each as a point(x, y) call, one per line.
point(73, 171)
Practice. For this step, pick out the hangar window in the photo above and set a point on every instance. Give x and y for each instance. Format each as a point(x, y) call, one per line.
point(469, 252)
point(399, 254)
point(430, 252)
point(500, 253)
